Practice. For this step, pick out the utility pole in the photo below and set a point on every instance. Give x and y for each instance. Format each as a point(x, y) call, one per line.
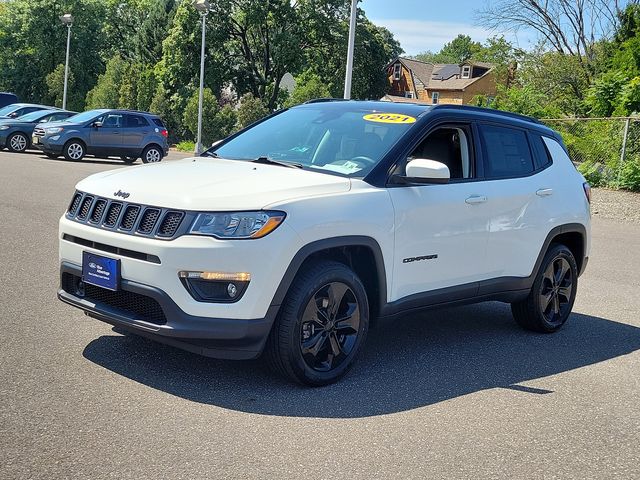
point(350, 49)
point(203, 7)
point(66, 19)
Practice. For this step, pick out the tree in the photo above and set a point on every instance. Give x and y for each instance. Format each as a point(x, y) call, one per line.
point(458, 50)
point(308, 87)
point(250, 109)
point(603, 95)
point(106, 93)
point(568, 26)
point(152, 31)
point(55, 85)
point(217, 123)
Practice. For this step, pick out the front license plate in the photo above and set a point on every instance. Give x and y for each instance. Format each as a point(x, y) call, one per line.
point(101, 271)
point(35, 140)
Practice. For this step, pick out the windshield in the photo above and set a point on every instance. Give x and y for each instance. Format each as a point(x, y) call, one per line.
point(85, 116)
point(334, 140)
point(7, 109)
point(35, 116)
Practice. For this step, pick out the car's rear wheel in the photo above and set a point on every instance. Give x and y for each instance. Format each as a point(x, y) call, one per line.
point(151, 154)
point(18, 142)
point(129, 160)
point(321, 326)
point(551, 299)
point(74, 150)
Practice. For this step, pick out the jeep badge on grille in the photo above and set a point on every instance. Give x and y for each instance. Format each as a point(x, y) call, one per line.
point(122, 194)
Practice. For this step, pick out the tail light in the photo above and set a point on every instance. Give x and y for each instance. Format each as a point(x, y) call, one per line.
point(164, 133)
point(587, 191)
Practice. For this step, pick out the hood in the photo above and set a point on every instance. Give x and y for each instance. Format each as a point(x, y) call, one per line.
point(211, 184)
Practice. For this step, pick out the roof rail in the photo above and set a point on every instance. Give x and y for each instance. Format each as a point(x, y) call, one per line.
point(324, 100)
point(488, 110)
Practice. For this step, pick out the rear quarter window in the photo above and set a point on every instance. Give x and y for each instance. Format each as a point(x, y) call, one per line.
point(158, 122)
point(506, 152)
point(542, 157)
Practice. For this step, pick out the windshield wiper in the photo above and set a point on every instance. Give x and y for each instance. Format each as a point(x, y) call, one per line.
point(268, 161)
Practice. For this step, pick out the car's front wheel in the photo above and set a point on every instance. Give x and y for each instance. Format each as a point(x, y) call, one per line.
point(551, 299)
point(18, 142)
point(151, 154)
point(321, 326)
point(74, 150)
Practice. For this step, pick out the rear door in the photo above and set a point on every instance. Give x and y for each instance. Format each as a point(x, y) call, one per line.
point(521, 192)
point(107, 138)
point(442, 230)
point(136, 128)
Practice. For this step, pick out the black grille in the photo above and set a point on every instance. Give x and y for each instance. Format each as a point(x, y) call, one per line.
point(170, 224)
point(98, 210)
point(148, 221)
point(129, 217)
point(75, 203)
point(85, 207)
point(38, 132)
point(129, 304)
point(112, 214)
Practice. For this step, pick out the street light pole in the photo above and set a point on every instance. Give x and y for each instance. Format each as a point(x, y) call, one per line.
point(352, 41)
point(66, 19)
point(203, 7)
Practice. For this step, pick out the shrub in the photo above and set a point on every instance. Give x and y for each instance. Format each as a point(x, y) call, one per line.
point(630, 175)
point(593, 172)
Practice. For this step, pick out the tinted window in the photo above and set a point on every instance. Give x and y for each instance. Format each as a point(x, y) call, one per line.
point(506, 152)
point(24, 111)
point(112, 120)
point(59, 116)
point(135, 121)
point(158, 122)
point(542, 156)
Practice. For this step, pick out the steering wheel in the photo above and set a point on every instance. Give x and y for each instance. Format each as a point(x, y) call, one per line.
point(364, 159)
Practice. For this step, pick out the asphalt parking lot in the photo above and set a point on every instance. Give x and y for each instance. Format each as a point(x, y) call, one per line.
point(455, 393)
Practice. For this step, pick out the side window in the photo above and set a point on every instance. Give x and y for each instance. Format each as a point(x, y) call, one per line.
point(135, 121)
point(449, 145)
point(542, 156)
point(112, 120)
point(506, 152)
point(56, 117)
point(158, 122)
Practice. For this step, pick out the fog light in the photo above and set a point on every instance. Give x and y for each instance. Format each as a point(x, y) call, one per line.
point(215, 287)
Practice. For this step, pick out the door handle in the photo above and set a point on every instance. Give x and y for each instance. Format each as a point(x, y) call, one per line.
point(476, 199)
point(544, 192)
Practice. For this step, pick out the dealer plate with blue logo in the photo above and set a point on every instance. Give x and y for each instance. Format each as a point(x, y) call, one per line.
point(100, 271)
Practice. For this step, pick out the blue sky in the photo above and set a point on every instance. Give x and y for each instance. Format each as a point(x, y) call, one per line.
point(422, 25)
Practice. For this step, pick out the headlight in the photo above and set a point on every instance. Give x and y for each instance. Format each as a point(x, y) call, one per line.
point(236, 224)
point(4, 127)
point(52, 130)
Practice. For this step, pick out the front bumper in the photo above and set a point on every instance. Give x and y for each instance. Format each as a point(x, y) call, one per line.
point(47, 145)
point(212, 337)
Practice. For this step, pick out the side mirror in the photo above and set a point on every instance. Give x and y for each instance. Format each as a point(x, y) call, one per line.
point(96, 124)
point(424, 171)
point(13, 115)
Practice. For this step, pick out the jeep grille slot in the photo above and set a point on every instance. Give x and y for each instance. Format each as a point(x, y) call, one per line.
point(170, 224)
point(148, 221)
point(127, 218)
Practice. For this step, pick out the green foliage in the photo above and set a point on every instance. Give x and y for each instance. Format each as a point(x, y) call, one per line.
point(217, 123)
point(630, 175)
point(603, 94)
point(186, 146)
point(106, 93)
point(308, 87)
point(458, 50)
point(593, 172)
point(250, 109)
point(524, 100)
point(55, 85)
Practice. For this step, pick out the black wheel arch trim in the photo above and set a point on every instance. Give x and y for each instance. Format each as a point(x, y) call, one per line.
point(328, 243)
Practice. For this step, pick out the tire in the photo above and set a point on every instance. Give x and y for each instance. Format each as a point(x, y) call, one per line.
point(74, 150)
point(152, 154)
point(311, 342)
point(129, 160)
point(18, 142)
point(551, 299)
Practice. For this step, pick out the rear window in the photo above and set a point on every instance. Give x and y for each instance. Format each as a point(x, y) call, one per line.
point(136, 121)
point(506, 152)
point(158, 122)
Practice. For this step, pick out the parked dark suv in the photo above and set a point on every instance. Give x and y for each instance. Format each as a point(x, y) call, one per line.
point(105, 133)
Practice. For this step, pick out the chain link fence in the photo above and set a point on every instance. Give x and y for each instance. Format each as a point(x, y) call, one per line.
point(605, 150)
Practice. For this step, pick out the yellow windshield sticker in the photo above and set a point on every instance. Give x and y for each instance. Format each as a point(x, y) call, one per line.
point(389, 118)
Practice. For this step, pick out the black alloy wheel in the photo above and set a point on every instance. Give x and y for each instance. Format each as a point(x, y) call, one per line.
point(330, 326)
point(321, 326)
point(550, 301)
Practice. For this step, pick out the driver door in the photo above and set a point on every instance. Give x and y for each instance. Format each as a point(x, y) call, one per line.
point(441, 230)
point(107, 138)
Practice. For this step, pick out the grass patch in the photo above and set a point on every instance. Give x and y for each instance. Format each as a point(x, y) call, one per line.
point(186, 146)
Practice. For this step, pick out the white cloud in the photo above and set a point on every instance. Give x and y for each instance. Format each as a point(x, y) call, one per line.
point(417, 36)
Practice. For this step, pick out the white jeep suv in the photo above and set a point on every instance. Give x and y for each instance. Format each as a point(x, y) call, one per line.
point(292, 235)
